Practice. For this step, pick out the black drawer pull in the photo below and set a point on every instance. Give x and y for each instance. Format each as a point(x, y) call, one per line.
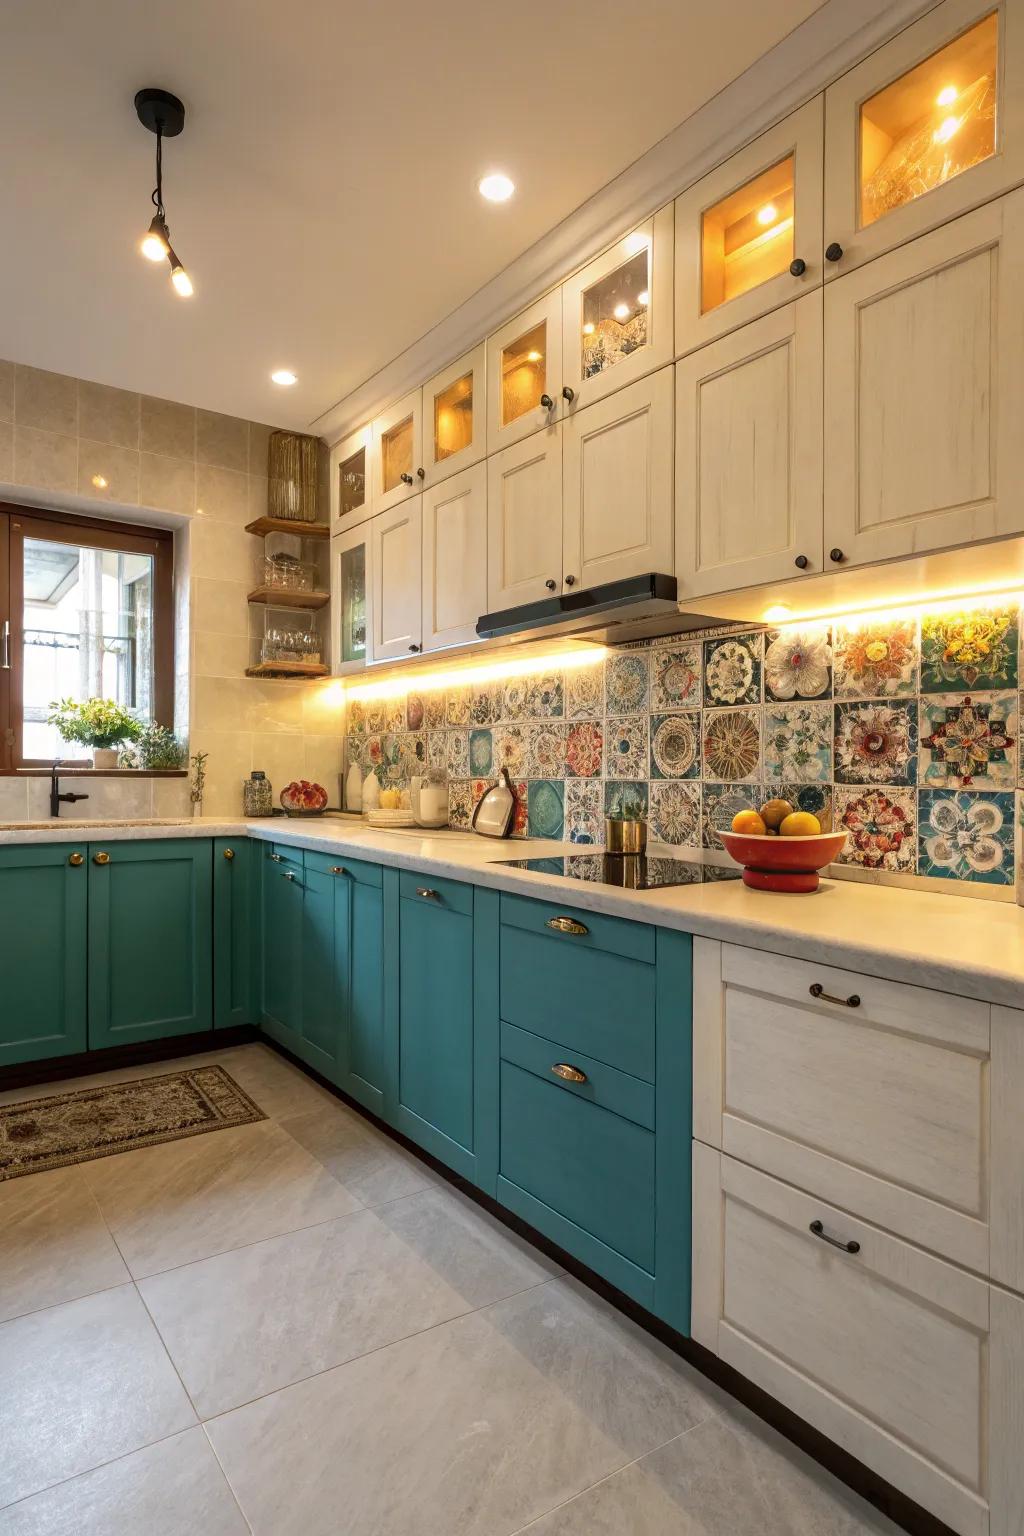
point(817, 990)
point(566, 925)
point(817, 1228)
point(567, 1073)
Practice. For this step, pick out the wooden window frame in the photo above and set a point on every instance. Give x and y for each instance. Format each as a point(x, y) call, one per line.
point(18, 523)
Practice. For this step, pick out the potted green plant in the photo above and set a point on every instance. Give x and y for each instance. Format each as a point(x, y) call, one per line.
point(101, 724)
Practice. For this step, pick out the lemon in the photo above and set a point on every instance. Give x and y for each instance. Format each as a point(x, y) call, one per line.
point(800, 824)
point(749, 822)
point(774, 813)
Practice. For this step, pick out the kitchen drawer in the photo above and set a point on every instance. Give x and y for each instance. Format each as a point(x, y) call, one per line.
point(282, 856)
point(881, 1107)
point(453, 895)
point(339, 864)
point(612, 935)
point(885, 1349)
point(604, 1086)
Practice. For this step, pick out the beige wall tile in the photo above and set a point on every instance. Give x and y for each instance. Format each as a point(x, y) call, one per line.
point(116, 470)
point(225, 551)
point(48, 401)
point(221, 703)
point(220, 607)
point(323, 708)
point(45, 459)
point(108, 797)
point(322, 758)
point(229, 762)
point(274, 705)
point(222, 440)
point(6, 391)
point(257, 497)
point(221, 493)
point(167, 484)
point(219, 655)
point(259, 446)
point(6, 451)
point(282, 759)
point(13, 799)
point(108, 415)
point(171, 797)
point(167, 427)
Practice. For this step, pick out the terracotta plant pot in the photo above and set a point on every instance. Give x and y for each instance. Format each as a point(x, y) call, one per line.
point(782, 863)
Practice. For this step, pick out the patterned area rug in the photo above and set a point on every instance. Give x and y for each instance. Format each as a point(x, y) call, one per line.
point(65, 1128)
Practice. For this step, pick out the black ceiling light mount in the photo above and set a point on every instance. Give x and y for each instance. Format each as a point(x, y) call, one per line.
point(164, 115)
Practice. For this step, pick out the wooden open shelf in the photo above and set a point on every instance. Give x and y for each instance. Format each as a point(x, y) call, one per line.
point(280, 597)
point(288, 669)
point(264, 525)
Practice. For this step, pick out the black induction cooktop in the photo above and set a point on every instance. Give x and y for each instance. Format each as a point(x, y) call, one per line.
point(634, 872)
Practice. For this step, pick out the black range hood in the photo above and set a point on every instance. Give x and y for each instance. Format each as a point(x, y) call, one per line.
point(635, 608)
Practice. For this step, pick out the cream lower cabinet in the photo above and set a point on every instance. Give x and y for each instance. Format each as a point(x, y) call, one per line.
point(924, 377)
point(454, 558)
point(396, 581)
point(524, 521)
point(856, 1198)
point(748, 454)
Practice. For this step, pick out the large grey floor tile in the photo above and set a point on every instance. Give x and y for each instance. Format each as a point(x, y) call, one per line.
point(471, 1429)
point(278, 1088)
point(80, 1384)
point(729, 1476)
point(371, 1166)
point(175, 1488)
point(189, 1199)
point(253, 1320)
point(54, 1244)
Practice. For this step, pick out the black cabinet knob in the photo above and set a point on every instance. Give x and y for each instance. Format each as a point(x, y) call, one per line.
point(836, 555)
point(569, 395)
point(834, 251)
point(798, 266)
point(415, 647)
point(406, 479)
point(551, 585)
point(547, 402)
point(422, 474)
point(570, 581)
point(801, 562)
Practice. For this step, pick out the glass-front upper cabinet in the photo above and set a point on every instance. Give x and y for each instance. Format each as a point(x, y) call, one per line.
point(617, 314)
point(397, 469)
point(455, 417)
point(351, 499)
point(748, 235)
point(350, 597)
point(924, 129)
point(524, 373)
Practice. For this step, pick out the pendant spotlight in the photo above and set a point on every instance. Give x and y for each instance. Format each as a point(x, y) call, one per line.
point(164, 115)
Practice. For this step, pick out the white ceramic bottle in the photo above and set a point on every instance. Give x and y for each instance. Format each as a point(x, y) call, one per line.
point(371, 793)
point(354, 788)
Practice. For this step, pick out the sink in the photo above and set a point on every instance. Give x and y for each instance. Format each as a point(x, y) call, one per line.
point(80, 824)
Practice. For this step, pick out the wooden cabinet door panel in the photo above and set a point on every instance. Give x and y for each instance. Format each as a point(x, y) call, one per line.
point(396, 561)
point(454, 558)
point(524, 521)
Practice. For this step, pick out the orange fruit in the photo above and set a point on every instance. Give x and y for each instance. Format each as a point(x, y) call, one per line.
point(774, 813)
point(800, 824)
point(749, 822)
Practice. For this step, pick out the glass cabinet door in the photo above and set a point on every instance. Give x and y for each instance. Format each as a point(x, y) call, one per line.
point(925, 129)
point(351, 589)
point(617, 314)
point(524, 373)
point(397, 453)
point(351, 501)
point(454, 416)
point(748, 236)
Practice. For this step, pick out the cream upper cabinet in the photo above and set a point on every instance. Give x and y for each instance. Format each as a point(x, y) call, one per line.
point(524, 373)
point(351, 495)
point(748, 454)
point(929, 126)
point(923, 391)
point(455, 417)
point(617, 315)
point(396, 581)
point(351, 595)
point(748, 235)
point(617, 485)
point(454, 558)
point(397, 470)
point(524, 521)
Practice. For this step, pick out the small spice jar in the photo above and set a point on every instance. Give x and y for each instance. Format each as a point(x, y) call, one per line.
point(257, 795)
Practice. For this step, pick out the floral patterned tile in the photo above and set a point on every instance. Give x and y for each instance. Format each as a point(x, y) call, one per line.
point(816, 798)
point(798, 663)
point(520, 820)
point(584, 750)
point(545, 697)
point(460, 804)
point(374, 716)
point(355, 709)
point(437, 749)
point(732, 744)
point(412, 752)
point(457, 706)
point(881, 827)
point(485, 704)
point(719, 804)
point(966, 835)
point(515, 696)
point(481, 752)
point(675, 812)
point(545, 750)
point(876, 742)
point(546, 807)
point(584, 692)
point(416, 711)
point(355, 750)
point(972, 648)
point(620, 797)
point(511, 749)
point(798, 742)
point(457, 754)
point(676, 677)
point(584, 811)
point(675, 745)
point(436, 711)
point(395, 716)
point(877, 659)
point(968, 741)
point(627, 682)
point(626, 747)
point(732, 670)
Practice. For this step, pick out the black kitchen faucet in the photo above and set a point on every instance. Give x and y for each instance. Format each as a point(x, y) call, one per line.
point(55, 796)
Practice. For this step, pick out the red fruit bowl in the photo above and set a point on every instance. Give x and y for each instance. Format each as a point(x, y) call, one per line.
point(782, 863)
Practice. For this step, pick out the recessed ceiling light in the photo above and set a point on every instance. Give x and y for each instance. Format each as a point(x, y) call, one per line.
point(100, 482)
point(284, 377)
point(497, 188)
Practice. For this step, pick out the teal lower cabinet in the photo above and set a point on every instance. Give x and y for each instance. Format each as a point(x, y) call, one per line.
point(359, 974)
point(235, 926)
point(282, 944)
point(43, 927)
point(150, 965)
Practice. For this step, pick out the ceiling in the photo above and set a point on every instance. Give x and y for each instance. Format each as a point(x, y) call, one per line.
point(323, 194)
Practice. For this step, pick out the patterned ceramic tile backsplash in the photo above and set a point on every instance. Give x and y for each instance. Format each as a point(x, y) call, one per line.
point(903, 730)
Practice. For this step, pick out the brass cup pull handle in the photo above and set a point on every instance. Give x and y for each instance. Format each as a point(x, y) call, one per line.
point(101, 858)
point(338, 869)
point(817, 1229)
point(566, 925)
point(568, 1073)
point(818, 991)
point(229, 853)
point(425, 891)
point(277, 857)
point(76, 859)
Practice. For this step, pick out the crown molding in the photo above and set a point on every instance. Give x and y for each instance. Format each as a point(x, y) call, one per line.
point(837, 36)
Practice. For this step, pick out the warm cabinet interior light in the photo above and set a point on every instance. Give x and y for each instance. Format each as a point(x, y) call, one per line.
point(946, 96)
point(588, 329)
point(497, 188)
point(487, 672)
point(621, 311)
point(945, 131)
point(767, 215)
point(534, 357)
point(284, 377)
point(643, 298)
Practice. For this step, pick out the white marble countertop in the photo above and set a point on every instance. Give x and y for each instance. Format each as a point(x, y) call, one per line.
point(971, 947)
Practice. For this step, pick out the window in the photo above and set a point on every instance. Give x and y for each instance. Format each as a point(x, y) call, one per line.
point(86, 611)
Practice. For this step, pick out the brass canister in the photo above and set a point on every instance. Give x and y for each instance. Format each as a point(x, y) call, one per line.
point(624, 836)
